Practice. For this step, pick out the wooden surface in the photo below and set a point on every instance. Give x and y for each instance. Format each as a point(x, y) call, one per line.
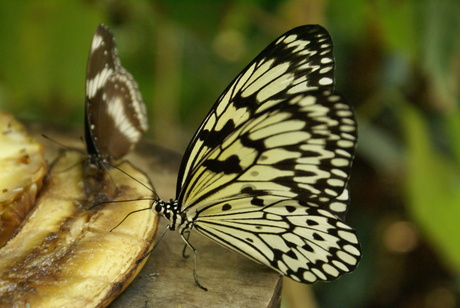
point(167, 278)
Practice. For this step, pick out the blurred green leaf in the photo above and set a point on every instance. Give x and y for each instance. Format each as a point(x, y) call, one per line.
point(399, 25)
point(433, 187)
point(44, 60)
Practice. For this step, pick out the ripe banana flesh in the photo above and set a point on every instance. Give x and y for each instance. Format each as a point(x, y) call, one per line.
point(64, 254)
point(22, 168)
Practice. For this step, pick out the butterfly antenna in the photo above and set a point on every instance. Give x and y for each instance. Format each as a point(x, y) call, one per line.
point(133, 178)
point(57, 142)
point(121, 201)
point(62, 146)
point(130, 213)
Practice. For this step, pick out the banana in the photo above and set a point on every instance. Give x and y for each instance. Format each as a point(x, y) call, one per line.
point(22, 168)
point(64, 254)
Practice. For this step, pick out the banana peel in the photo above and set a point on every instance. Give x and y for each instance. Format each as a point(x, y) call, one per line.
point(64, 254)
point(22, 169)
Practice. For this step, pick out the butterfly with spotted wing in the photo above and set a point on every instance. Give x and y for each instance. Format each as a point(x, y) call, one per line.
point(266, 174)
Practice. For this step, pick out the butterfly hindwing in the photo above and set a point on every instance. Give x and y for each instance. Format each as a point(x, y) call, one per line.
point(305, 243)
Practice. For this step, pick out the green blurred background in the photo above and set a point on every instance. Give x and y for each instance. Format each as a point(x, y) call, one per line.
point(398, 63)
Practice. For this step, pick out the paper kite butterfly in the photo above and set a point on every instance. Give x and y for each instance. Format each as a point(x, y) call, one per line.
point(266, 174)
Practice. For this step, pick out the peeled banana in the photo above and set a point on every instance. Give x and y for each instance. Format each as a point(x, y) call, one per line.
point(64, 254)
point(22, 168)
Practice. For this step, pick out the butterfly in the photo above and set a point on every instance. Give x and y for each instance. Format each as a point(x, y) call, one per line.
point(115, 115)
point(266, 174)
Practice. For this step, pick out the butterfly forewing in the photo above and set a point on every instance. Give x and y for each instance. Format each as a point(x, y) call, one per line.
point(301, 149)
point(103, 61)
point(115, 113)
point(299, 61)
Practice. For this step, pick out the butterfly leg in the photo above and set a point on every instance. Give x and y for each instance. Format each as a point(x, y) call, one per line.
point(155, 246)
point(185, 234)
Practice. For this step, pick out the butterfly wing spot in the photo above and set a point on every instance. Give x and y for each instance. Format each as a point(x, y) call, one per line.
point(226, 207)
point(330, 270)
point(325, 70)
point(287, 39)
point(338, 207)
point(311, 222)
point(248, 189)
point(345, 143)
point(97, 82)
point(229, 166)
point(346, 257)
point(339, 162)
point(97, 42)
point(257, 201)
point(325, 81)
point(339, 265)
point(352, 249)
point(335, 182)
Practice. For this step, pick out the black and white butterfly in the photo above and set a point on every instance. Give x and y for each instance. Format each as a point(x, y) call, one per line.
point(115, 115)
point(266, 173)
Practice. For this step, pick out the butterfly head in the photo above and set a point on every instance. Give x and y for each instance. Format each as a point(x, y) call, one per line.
point(171, 211)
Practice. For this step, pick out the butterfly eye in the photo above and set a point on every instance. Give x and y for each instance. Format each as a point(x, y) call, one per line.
point(159, 208)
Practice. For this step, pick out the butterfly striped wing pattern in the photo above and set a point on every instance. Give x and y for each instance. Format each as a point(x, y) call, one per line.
point(115, 115)
point(266, 173)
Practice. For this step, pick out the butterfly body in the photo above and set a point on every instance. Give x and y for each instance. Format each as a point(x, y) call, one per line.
point(266, 174)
